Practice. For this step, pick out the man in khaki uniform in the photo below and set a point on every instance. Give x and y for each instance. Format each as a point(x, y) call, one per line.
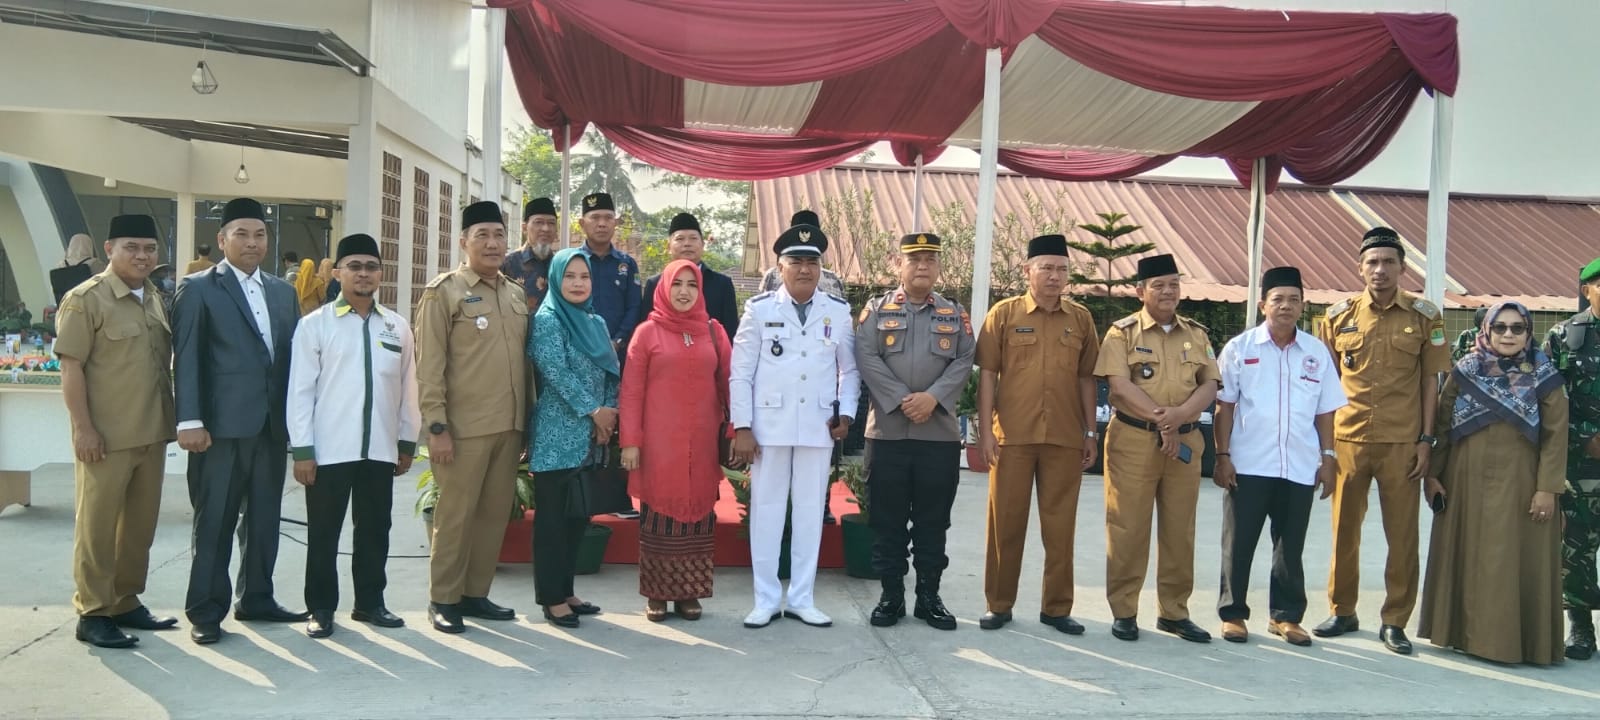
point(1389, 346)
point(1036, 414)
point(472, 332)
point(116, 350)
point(1163, 374)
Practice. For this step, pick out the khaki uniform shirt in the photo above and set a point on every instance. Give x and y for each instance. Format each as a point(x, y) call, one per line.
point(1039, 356)
point(902, 349)
point(1382, 355)
point(125, 346)
point(1167, 366)
point(471, 348)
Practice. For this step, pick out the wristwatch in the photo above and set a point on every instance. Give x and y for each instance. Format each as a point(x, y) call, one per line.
point(1331, 455)
point(1091, 434)
point(437, 428)
point(1432, 441)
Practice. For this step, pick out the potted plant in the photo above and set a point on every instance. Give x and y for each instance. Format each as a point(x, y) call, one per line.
point(739, 480)
point(856, 527)
point(428, 498)
point(967, 412)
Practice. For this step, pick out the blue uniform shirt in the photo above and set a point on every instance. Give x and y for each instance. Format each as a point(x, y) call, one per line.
point(615, 278)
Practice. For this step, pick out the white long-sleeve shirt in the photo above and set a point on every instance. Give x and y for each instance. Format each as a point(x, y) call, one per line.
point(353, 386)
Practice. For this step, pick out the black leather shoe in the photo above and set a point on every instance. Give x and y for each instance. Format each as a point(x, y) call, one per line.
point(1580, 639)
point(891, 602)
point(994, 620)
point(1394, 638)
point(1125, 628)
point(566, 621)
point(585, 608)
point(205, 633)
point(446, 618)
point(140, 618)
point(276, 613)
point(379, 616)
point(482, 608)
point(102, 631)
point(1337, 625)
point(320, 625)
point(1064, 623)
point(931, 610)
point(1184, 628)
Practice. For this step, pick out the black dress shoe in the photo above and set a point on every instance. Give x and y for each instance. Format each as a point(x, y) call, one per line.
point(484, 609)
point(379, 616)
point(994, 620)
point(102, 631)
point(585, 608)
point(320, 625)
point(1064, 623)
point(1394, 638)
point(276, 613)
point(1125, 628)
point(1184, 628)
point(1337, 625)
point(140, 618)
point(446, 618)
point(205, 633)
point(566, 621)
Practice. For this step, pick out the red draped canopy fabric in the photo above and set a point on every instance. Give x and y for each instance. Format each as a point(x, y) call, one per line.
point(748, 89)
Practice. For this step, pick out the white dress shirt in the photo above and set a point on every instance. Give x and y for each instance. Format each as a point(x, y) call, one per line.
point(353, 386)
point(1277, 395)
point(255, 293)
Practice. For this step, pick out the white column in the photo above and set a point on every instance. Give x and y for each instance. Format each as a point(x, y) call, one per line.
point(916, 199)
point(565, 208)
point(1256, 237)
point(183, 232)
point(362, 184)
point(988, 166)
point(1439, 196)
point(495, 22)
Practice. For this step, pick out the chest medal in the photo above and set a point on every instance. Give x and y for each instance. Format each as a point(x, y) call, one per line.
point(777, 348)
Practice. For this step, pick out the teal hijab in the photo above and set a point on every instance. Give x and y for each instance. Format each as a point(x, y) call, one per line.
point(585, 330)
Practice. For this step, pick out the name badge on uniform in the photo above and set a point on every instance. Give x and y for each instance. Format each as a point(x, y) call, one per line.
point(1024, 329)
point(774, 324)
point(472, 299)
point(1350, 328)
point(1144, 350)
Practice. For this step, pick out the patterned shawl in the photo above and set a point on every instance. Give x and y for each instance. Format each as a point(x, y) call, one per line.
point(1502, 389)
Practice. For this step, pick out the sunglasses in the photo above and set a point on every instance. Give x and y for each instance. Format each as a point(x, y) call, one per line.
point(1513, 328)
point(370, 267)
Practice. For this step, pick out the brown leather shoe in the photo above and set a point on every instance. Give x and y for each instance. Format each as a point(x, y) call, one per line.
point(1291, 632)
point(655, 610)
point(1234, 631)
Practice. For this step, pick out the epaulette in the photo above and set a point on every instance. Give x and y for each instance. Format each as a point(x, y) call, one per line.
point(1126, 322)
point(1195, 323)
point(1427, 309)
point(841, 300)
point(438, 279)
point(1339, 308)
point(757, 298)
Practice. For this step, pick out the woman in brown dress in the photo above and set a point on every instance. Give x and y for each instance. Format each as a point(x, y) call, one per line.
point(1494, 565)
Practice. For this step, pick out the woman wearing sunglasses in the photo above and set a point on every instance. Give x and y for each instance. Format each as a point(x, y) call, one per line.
point(1494, 566)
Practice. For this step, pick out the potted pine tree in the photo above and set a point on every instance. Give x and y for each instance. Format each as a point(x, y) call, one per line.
point(966, 413)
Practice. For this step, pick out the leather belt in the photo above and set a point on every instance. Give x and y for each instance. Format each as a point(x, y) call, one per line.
point(1152, 427)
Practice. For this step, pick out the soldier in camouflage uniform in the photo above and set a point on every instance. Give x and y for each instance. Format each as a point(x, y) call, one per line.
point(1468, 339)
point(1574, 346)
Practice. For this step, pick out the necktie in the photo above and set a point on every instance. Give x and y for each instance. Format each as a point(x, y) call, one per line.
point(801, 311)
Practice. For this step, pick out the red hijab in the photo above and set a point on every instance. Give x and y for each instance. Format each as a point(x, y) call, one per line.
point(692, 321)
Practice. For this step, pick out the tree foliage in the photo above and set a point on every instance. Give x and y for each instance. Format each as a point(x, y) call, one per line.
point(533, 159)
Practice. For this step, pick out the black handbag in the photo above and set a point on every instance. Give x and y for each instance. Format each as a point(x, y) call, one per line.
point(607, 481)
point(579, 506)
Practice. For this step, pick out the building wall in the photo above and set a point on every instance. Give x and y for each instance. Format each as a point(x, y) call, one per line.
point(420, 53)
point(417, 218)
point(346, 18)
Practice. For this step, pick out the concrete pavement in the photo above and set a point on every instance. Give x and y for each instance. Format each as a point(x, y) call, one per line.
point(618, 665)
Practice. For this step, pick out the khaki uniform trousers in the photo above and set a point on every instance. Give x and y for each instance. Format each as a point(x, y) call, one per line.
point(118, 502)
point(476, 493)
point(1400, 499)
point(1139, 480)
point(1056, 472)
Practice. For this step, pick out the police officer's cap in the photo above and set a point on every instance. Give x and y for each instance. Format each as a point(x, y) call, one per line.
point(1590, 271)
point(801, 240)
point(133, 226)
point(921, 242)
point(804, 217)
point(1381, 237)
point(1157, 266)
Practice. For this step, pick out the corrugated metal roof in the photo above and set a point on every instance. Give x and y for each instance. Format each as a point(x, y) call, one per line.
point(1203, 225)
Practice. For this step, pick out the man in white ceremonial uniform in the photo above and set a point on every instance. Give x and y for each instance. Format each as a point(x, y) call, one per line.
point(353, 426)
point(794, 390)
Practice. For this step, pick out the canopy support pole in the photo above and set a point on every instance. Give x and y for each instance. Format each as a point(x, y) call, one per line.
point(1256, 237)
point(495, 26)
point(565, 208)
point(988, 167)
point(916, 199)
point(1439, 196)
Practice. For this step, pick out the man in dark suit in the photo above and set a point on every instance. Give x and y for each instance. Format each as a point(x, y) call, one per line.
point(685, 243)
point(231, 330)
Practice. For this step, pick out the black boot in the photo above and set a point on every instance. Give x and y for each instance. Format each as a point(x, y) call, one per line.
point(1580, 641)
point(929, 607)
point(891, 604)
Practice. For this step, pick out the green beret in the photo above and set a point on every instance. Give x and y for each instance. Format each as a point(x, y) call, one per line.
point(1590, 271)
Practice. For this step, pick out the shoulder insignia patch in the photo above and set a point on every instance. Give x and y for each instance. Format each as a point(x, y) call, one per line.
point(1339, 308)
point(1195, 323)
point(1126, 322)
point(862, 318)
point(437, 280)
point(837, 298)
point(1426, 309)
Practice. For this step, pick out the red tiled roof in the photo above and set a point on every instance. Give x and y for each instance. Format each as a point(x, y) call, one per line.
point(1527, 249)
